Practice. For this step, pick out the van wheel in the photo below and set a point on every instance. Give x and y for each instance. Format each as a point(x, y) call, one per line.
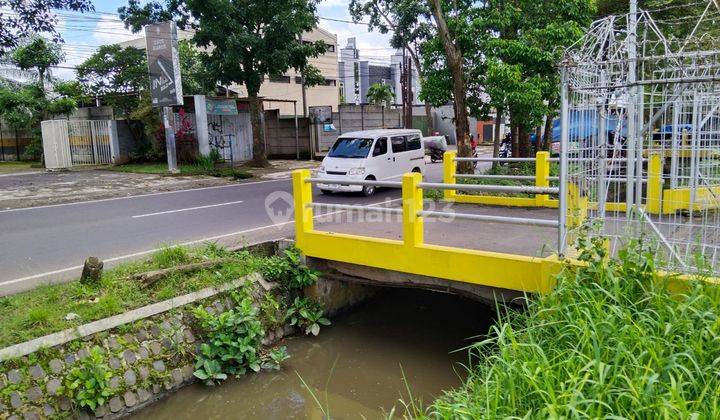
point(325, 192)
point(369, 190)
point(417, 170)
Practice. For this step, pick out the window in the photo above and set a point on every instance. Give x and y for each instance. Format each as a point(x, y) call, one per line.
point(351, 148)
point(413, 143)
point(280, 79)
point(398, 144)
point(380, 147)
point(330, 82)
point(331, 48)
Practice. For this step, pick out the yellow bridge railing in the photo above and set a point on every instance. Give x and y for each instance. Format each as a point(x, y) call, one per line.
point(658, 199)
point(412, 254)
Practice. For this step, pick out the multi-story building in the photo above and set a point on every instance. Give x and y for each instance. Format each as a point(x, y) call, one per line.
point(357, 75)
point(288, 87)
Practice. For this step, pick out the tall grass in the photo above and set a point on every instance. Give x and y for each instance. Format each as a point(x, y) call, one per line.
point(609, 342)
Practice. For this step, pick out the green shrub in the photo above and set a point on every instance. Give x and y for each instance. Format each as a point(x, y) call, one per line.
point(307, 314)
point(233, 342)
point(610, 341)
point(87, 382)
point(289, 270)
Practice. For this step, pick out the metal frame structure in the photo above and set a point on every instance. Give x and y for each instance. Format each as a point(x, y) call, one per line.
point(644, 109)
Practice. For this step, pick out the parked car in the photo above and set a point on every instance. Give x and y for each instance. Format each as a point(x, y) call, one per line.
point(371, 155)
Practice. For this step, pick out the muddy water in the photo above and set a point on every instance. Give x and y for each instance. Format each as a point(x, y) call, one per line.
point(354, 367)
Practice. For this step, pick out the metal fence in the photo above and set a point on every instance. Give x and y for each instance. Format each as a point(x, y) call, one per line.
point(641, 127)
point(77, 142)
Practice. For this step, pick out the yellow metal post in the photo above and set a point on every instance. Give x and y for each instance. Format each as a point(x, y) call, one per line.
point(449, 171)
point(302, 195)
point(654, 186)
point(412, 197)
point(542, 172)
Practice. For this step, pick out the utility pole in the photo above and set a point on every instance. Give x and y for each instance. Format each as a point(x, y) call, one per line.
point(403, 88)
point(303, 88)
point(169, 141)
point(408, 94)
point(631, 45)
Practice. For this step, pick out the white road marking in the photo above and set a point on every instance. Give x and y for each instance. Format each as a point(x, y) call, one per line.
point(194, 242)
point(137, 216)
point(139, 196)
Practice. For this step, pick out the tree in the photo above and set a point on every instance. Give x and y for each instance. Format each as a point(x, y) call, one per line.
point(117, 75)
point(36, 17)
point(38, 54)
point(242, 41)
point(380, 94)
point(407, 21)
point(450, 20)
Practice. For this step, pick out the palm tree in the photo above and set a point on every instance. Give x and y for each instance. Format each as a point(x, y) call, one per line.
point(380, 94)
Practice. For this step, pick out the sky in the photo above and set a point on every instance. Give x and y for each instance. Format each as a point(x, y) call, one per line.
point(83, 33)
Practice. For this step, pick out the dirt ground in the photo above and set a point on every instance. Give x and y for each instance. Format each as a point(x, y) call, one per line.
point(44, 188)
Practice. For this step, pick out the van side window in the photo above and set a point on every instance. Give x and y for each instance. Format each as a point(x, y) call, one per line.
point(398, 144)
point(413, 142)
point(380, 147)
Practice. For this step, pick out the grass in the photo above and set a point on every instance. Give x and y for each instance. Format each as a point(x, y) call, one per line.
point(185, 169)
point(16, 166)
point(43, 310)
point(609, 342)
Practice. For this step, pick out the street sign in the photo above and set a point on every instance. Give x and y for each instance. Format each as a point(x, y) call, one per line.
point(163, 64)
point(320, 114)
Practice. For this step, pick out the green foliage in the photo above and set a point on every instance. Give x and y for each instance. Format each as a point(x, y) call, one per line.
point(610, 341)
point(170, 256)
point(312, 76)
point(196, 77)
point(275, 357)
point(38, 54)
point(34, 17)
point(380, 94)
point(87, 384)
point(272, 311)
point(289, 270)
point(233, 340)
point(307, 314)
point(41, 311)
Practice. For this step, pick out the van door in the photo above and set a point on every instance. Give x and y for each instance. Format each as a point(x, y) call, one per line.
point(380, 161)
point(401, 161)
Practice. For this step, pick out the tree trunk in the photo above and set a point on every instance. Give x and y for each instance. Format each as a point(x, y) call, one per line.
point(496, 138)
point(454, 57)
point(524, 145)
point(547, 144)
point(538, 139)
point(515, 140)
point(259, 159)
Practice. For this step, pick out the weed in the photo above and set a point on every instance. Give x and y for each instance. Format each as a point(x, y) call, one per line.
point(170, 256)
point(289, 270)
point(307, 314)
point(87, 384)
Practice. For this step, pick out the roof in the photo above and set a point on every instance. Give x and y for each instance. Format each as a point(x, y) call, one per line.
point(380, 132)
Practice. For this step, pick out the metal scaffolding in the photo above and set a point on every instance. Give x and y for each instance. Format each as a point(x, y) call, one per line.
point(641, 137)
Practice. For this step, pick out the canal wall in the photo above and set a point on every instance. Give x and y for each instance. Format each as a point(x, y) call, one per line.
point(145, 353)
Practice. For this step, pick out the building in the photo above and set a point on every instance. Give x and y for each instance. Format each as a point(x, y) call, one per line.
point(357, 75)
point(288, 87)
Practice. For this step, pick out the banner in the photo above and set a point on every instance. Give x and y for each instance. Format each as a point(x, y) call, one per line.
point(221, 106)
point(163, 64)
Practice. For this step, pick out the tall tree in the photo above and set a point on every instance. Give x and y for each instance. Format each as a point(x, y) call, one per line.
point(36, 17)
point(380, 94)
point(242, 41)
point(38, 54)
point(450, 20)
point(408, 22)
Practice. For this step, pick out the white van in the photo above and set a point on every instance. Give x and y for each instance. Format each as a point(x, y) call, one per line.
point(372, 155)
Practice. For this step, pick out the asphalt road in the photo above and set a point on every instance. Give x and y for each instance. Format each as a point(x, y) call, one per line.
point(48, 244)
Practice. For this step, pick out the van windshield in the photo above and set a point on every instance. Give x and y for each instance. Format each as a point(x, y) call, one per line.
point(351, 148)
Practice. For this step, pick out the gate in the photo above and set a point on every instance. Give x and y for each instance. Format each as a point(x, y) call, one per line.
point(69, 142)
point(231, 136)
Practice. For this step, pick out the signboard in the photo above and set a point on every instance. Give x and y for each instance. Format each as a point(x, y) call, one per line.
point(221, 106)
point(321, 114)
point(163, 64)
